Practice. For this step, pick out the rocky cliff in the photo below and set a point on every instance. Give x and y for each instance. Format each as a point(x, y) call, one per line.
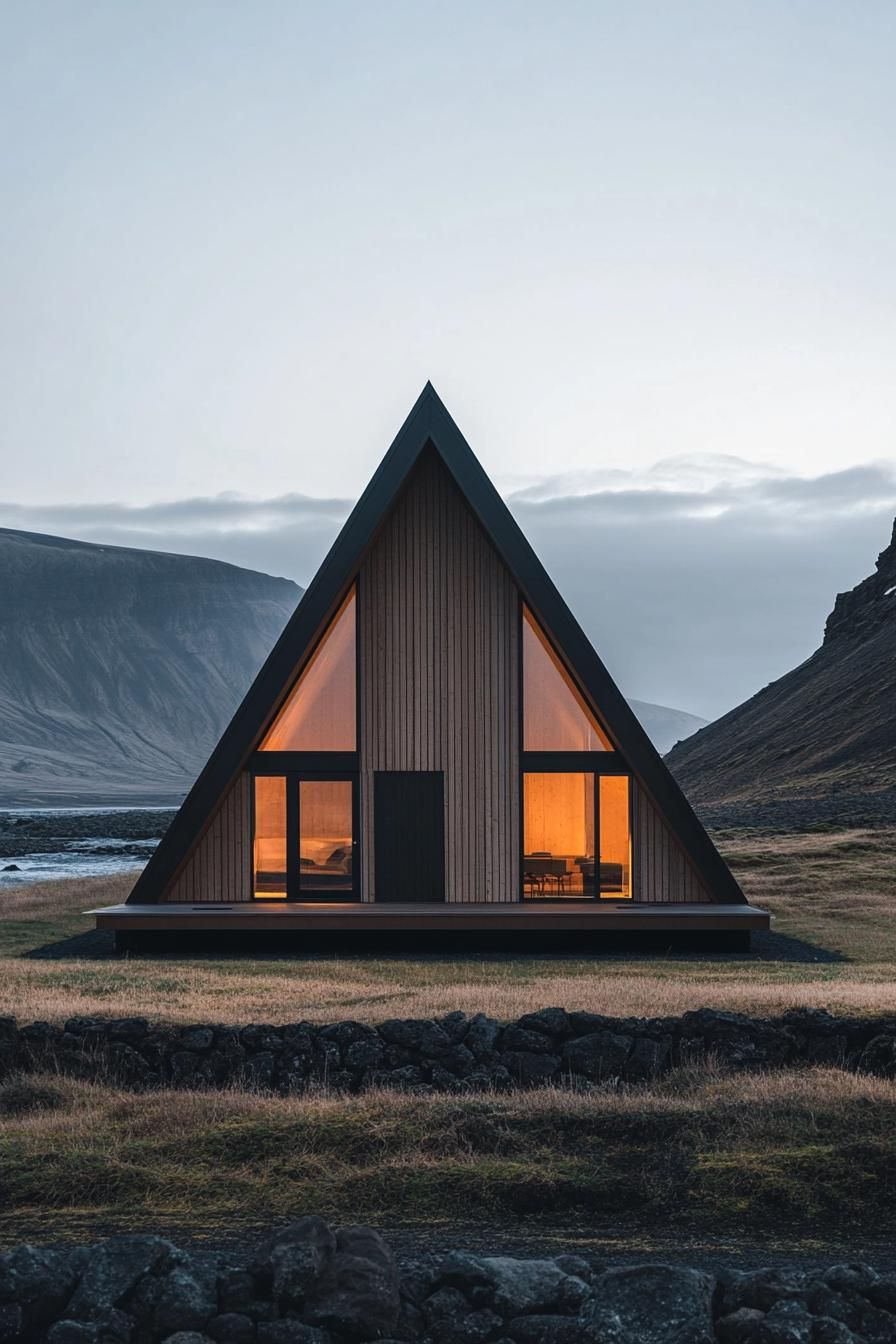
point(820, 743)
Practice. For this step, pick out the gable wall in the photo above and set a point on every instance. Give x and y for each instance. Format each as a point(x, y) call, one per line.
point(662, 870)
point(218, 867)
point(439, 667)
point(438, 655)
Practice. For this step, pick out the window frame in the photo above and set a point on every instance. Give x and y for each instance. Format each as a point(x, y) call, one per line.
point(295, 766)
point(354, 591)
point(596, 763)
point(293, 831)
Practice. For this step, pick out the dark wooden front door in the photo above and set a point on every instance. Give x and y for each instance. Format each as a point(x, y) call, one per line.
point(409, 835)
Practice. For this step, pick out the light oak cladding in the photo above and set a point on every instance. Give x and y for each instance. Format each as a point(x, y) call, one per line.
point(662, 870)
point(218, 868)
point(438, 653)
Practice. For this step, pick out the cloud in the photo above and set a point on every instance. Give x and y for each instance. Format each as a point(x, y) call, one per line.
point(699, 579)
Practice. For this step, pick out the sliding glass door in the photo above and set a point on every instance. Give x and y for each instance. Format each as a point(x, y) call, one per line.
point(576, 835)
point(305, 828)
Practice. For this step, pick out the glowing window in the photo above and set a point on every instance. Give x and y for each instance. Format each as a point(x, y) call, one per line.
point(615, 837)
point(269, 846)
point(558, 834)
point(321, 711)
point(325, 835)
point(555, 717)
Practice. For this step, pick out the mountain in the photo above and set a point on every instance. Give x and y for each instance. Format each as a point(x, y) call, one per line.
point(666, 726)
point(820, 743)
point(120, 668)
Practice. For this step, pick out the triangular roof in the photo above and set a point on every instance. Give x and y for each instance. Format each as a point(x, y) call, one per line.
point(429, 426)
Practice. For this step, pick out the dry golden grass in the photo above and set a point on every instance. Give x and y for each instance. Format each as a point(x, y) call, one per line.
point(759, 1151)
point(836, 893)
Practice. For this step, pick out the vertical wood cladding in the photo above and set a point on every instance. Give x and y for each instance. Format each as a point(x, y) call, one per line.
point(439, 657)
point(218, 868)
point(662, 870)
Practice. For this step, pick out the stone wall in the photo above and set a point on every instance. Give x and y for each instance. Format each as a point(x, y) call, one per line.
point(310, 1284)
point(451, 1053)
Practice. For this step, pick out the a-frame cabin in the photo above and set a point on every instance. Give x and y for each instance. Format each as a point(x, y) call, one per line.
point(434, 743)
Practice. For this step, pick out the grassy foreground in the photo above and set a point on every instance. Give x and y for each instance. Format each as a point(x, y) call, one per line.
point(834, 893)
point(775, 1155)
point(794, 1157)
point(759, 1153)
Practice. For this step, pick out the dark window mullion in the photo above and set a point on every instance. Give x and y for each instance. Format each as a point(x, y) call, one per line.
point(292, 837)
point(598, 885)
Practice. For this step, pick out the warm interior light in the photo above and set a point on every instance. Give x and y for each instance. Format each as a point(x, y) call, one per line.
point(321, 711)
point(325, 835)
point(555, 716)
point(558, 834)
point(269, 846)
point(615, 837)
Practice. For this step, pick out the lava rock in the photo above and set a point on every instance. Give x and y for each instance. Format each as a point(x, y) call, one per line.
point(112, 1270)
point(601, 1055)
point(357, 1292)
point(653, 1304)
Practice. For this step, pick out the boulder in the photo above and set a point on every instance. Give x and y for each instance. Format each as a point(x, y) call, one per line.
point(553, 1022)
point(346, 1033)
point(520, 1038)
point(787, 1323)
point(482, 1036)
point(111, 1272)
point(529, 1069)
point(290, 1263)
point(364, 1054)
point(652, 1304)
point(231, 1327)
point(455, 1026)
point(552, 1330)
point(357, 1292)
point(257, 1037)
point(182, 1298)
point(739, 1327)
point(879, 1056)
point(521, 1287)
point(36, 1284)
point(418, 1034)
point(601, 1055)
point(258, 1072)
point(197, 1038)
point(761, 1289)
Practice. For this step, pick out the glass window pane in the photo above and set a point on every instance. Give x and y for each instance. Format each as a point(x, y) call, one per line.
point(325, 835)
point(269, 846)
point(558, 835)
point(555, 717)
point(615, 837)
point(321, 712)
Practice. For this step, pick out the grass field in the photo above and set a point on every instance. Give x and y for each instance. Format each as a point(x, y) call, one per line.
point(790, 1158)
point(773, 1155)
point(833, 896)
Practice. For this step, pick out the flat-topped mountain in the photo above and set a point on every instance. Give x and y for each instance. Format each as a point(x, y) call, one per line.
point(819, 743)
point(120, 668)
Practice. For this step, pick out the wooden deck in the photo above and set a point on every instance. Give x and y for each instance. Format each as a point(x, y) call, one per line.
point(567, 916)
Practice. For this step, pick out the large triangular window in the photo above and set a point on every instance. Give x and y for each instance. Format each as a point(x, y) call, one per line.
point(555, 716)
point(321, 711)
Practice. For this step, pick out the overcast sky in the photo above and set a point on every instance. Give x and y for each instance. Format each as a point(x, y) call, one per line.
point(236, 239)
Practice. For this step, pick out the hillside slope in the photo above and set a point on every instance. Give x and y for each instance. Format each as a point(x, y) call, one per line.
point(119, 668)
point(820, 743)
